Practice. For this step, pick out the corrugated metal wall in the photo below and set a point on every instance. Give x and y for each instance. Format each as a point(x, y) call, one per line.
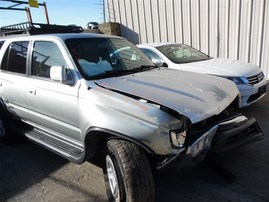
point(237, 29)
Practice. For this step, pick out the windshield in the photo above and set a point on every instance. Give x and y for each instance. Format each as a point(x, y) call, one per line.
point(104, 57)
point(180, 53)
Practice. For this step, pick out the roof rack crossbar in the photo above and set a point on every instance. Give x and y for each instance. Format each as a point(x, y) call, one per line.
point(38, 28)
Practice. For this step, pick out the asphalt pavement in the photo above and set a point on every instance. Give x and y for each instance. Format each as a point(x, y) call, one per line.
point(30, 173)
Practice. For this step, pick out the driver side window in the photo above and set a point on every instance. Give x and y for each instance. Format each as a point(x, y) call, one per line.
point(45, 55)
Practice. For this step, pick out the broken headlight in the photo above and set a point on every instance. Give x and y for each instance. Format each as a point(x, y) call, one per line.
point(178, 138)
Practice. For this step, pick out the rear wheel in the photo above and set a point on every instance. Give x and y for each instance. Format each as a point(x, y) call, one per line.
point(127, 173)
point(5, 133)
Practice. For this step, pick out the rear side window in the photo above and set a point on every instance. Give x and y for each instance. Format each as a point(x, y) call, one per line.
point(46, 54)
point(15, 57)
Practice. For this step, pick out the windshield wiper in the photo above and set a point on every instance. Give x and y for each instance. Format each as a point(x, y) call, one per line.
point(110, 73)
point(121, 72)
point(144, 67)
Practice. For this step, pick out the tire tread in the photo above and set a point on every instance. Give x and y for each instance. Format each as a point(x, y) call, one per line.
point(136, 170)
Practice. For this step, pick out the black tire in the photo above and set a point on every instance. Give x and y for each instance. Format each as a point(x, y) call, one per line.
point(132, 171)
point(5, 131)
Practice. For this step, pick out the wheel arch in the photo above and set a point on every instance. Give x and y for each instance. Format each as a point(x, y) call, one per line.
point(96, 138)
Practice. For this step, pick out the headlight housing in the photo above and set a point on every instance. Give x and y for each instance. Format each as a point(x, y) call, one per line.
point(178, 138)
point(237, 80)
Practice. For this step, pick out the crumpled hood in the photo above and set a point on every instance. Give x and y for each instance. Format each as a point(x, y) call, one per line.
point(223, 67)
point(194, 95)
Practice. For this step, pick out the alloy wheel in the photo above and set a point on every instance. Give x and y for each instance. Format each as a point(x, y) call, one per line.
point(112, 178)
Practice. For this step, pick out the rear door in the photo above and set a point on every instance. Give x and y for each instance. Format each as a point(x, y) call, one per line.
point(13, 78)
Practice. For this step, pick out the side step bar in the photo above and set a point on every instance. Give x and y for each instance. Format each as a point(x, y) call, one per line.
point(61, 147)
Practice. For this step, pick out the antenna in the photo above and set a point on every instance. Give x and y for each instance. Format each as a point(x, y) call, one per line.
point(104, 11)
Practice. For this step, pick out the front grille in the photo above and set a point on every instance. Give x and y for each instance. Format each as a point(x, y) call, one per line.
point(252, 80)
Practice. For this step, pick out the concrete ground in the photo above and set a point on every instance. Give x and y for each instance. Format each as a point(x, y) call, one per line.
point(31, 173)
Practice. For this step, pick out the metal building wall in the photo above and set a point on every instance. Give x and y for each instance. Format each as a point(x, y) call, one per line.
point(237, 29)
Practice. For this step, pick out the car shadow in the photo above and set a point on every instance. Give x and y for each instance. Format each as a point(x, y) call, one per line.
point(238, 175)
point(25, 165)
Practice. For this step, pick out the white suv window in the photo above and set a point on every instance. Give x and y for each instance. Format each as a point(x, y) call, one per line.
point(15, 57)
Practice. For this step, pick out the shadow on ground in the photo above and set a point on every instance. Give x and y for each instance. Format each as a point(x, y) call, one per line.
point(30, 173)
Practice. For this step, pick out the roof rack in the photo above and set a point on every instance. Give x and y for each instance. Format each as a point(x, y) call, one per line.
point(38, 28)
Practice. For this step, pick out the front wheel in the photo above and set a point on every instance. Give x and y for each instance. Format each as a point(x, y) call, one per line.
point(127, 173)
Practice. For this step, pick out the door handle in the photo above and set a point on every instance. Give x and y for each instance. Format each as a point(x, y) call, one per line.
point(32, 92)
point(1, 84)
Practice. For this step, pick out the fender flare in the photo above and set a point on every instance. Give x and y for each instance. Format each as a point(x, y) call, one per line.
point(96, 134)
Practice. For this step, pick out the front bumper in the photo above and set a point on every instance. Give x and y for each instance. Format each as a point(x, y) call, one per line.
point(250, 94)
point(226, 135)
point(231, 134)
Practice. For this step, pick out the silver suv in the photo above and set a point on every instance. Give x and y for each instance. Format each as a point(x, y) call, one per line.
point(90, 96)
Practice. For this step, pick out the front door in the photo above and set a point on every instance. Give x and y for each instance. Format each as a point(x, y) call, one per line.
point(52, 105)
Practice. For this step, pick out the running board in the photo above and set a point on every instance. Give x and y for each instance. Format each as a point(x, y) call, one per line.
point(61, 147)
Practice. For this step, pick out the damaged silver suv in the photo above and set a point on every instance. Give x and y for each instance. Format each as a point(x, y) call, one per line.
point(89, 96)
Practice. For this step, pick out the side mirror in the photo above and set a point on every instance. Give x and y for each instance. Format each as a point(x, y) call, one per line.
point(58, 73)
point(160, 64)
point(165, 64)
